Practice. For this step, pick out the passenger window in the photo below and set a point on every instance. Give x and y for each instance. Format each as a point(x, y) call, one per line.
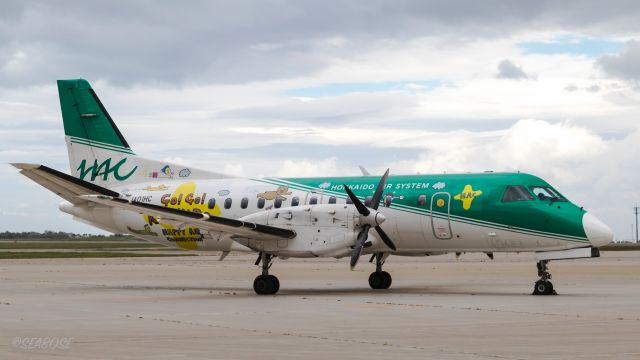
point(313, 200)
point(295, 201)
point(212, 203)
point(277, 203)
point(349, 201)
point(260, 203)
point(516, 193)
point(367, 201)
point(244, 202)
point(227, 203)
point(332, 200)
point(387, 200)
point(422, 200)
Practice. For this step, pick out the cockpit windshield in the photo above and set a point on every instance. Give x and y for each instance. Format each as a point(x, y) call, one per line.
point(516, 193)
point(546, 193)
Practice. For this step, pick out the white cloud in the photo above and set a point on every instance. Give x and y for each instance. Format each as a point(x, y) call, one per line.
point(234, 169)
point(533, 144)
point(307, 168)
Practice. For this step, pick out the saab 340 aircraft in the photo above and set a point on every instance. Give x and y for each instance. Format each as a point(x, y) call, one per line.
point(410, 215)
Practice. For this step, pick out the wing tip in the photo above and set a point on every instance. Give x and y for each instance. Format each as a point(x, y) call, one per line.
point(25, 166)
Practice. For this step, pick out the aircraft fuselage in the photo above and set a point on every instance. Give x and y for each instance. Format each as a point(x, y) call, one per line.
point(425, 214)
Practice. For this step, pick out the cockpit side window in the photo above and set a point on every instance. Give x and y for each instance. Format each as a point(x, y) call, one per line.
point(516, 193)
point(546, 193)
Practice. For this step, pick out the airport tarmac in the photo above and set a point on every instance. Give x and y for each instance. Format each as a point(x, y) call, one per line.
point(437, 308)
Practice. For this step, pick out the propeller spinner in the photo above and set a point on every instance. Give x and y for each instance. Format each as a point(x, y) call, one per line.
point(369, 219)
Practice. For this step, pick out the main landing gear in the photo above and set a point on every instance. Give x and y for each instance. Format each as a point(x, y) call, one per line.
point(379, 279)
point(265, 284)
point(543, 286)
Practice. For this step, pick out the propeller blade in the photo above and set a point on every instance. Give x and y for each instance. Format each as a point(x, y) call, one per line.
point(375, 201)
point(385, 238)
point(357, 249)
point(364, 211)
point(359, 205)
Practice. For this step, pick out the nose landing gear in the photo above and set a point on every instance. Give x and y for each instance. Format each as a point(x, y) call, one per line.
point(265, 284)
point(379, 279)
point(544, 285)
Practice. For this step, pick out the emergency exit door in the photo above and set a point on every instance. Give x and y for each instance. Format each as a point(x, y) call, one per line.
point(440, 213)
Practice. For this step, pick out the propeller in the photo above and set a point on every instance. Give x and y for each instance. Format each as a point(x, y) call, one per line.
point(369, 219)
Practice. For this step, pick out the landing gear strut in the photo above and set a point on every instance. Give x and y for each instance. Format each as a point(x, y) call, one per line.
point(544, 285)
point(379, 279)
point(265, 284)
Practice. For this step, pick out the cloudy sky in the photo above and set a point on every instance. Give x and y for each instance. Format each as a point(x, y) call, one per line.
point(304, 88)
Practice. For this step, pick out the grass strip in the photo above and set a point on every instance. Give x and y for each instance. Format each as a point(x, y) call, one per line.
point(620, 247)
point(24, 245)
point(77, 255)
point(80, 239)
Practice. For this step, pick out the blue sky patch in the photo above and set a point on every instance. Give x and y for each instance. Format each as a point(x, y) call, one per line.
point(336, 89)
point(569, 44)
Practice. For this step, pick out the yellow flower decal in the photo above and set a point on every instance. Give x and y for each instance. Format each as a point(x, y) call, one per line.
point(467, 195)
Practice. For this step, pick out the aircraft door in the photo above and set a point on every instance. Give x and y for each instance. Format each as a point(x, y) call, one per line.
point(440, 213)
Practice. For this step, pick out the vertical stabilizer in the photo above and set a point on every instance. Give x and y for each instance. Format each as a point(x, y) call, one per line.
point(97, 150)
point(99, 153)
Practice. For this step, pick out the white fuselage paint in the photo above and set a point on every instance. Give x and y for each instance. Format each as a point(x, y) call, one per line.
point(413, 233)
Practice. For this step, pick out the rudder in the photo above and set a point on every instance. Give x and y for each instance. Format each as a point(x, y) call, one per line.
point(85, 118)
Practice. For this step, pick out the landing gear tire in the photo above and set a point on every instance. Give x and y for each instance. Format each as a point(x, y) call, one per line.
point(266, 285)
point(380, 280)
point(275, 282)
point(543, 287)
point(387, 279)
point(376, 280)
point(262, 285)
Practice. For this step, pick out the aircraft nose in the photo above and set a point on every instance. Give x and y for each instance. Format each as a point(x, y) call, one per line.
point(597, 232)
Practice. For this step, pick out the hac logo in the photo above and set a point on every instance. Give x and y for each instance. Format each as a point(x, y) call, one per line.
point(104, 169)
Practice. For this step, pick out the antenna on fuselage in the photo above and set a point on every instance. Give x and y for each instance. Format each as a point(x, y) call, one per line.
point(364, 171)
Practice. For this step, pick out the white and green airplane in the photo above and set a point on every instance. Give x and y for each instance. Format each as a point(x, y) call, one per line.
point(404, 215)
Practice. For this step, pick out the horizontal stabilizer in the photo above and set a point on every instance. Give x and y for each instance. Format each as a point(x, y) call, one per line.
point(61, 184)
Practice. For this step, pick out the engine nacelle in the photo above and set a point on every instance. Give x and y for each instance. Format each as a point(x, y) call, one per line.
point(325, 230)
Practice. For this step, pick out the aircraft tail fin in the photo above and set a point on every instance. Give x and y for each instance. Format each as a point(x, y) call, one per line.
point(98, 152)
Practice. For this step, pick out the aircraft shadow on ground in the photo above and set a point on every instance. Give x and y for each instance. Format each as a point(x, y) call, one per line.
point(247, 291)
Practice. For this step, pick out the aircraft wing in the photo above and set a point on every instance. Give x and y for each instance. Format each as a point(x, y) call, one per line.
point(78, 191)
point(203, 221)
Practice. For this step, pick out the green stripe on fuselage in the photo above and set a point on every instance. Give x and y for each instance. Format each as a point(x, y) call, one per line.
point(473, 198)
